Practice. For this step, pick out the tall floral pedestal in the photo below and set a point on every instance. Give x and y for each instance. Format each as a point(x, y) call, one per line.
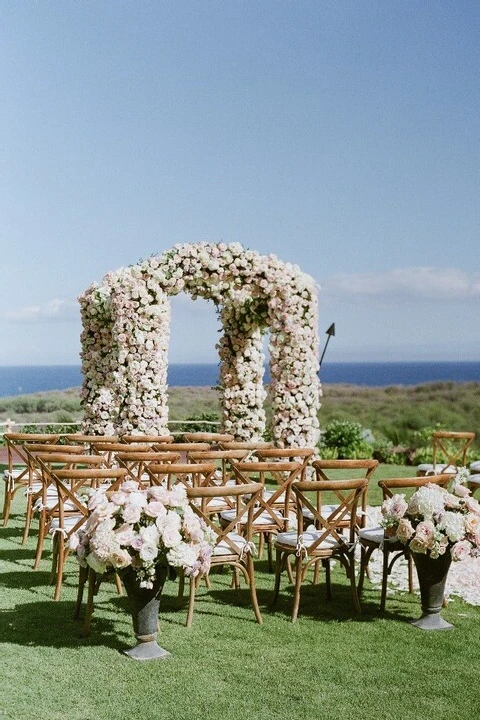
point(144, 607)
point(432, 574)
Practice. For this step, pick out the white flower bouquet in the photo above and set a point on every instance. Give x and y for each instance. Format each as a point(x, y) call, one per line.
point(435, 520)
point(143, 529)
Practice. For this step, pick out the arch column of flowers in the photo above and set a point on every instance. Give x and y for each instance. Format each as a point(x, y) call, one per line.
point(127, 328)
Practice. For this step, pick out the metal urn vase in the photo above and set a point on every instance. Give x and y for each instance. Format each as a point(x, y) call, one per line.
point(144, 607)
point(432, 574)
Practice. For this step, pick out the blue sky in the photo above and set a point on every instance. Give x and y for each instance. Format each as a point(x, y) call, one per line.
point(342, 136)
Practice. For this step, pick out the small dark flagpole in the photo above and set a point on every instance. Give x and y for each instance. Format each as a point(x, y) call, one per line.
point(329, 332)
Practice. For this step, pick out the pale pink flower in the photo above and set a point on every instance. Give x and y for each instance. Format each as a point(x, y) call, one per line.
point(461, 550)
point(131, 513)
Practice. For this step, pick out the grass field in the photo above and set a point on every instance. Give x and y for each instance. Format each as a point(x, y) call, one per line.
point(330, 665)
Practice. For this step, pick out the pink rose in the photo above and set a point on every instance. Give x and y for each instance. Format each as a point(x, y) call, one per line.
point(418, 545)
point(404, 530)
point(424, 532)
point(473, 505)
point(461, 550)
point(155, 508)
point(461, 490)
point(131, 513)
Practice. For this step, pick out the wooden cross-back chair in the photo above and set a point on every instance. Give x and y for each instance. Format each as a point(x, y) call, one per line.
point(231, 548)
point(324, 538)
point(189, 474)
point(449, 452)
point(336, 470)
point(109, 450)
point(35, 489)
point(274, 508)
point(224, 461)
point(292, 454)
point(20, 474)
point(374, 538)
point(46, 499)
point(136, 463)
point(72, 511)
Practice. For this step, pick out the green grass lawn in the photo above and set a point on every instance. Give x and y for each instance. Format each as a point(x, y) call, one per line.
point(330, 664)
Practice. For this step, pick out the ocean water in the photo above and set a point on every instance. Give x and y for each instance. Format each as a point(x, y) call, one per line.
point(23, 380)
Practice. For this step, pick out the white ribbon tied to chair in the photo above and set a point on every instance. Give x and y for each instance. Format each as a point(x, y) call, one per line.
point(248, 548)
point(301, 548)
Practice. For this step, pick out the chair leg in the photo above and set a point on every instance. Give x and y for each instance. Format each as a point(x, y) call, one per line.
point(7, 504)
point(269, 552)
point(353, 584)
point(191, 601)
point(363, 569)
point(61, 555)
point(261, 540)
point(92, 591)
point(383, 597)
point(82, 579)
point(118, 584)
point(42, 528)
point(410, 573)
point(253, 589)
point(298, 585)
point(278, 570)
point(28, 520)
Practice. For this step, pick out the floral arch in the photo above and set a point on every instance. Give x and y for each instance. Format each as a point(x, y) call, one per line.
point(126, 332)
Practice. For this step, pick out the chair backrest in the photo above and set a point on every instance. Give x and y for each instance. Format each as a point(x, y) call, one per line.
point(450, 448)
point(243, 498)
point(309, 496)
point(183, 448)
point(109, 450)
point(245, 445)
point(336, 470)
point(223, 459)
point(18, 451)
point(212, 438)
point(70, 482)
point(85, 439)
point(292, 454)
point(190, 474)
point(283, 474)
point(390, 485)
point(136, 463)
point(147, 439)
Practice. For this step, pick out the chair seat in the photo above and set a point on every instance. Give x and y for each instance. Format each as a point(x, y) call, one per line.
point(69, 522)
point(308, 537)
point(438, 469)
point(16, 472)
point(267, 494)
point(326, 511)
point(264, 519)
point(53, 500)
point(223, 548)
point(373, 535)
point(475, 466)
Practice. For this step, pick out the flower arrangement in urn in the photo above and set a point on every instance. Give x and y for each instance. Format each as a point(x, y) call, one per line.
point(143, 529)
point(435, 520)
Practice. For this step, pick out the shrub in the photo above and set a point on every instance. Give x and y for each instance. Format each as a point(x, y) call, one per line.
point(347, 439)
